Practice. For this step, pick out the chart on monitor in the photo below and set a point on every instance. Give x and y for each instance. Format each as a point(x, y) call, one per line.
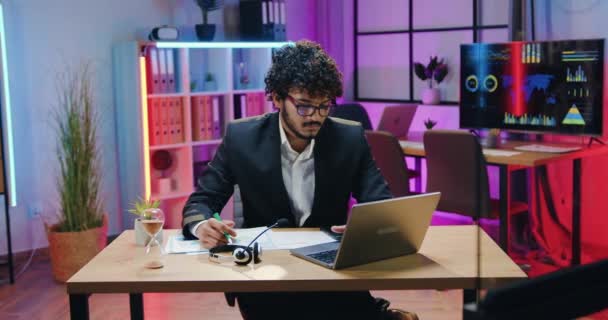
point(551, 86)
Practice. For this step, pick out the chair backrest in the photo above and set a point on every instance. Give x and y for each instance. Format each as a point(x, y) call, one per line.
point(390, 160)
point(397, 119)
point(354, 112)
point(565, 294)
point(456, 167)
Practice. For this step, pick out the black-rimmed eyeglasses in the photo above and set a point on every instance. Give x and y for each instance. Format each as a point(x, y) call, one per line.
point(306, 110)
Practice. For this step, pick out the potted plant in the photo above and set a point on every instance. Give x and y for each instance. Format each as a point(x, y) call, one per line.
point(205, 31)
point(429, 124)
point(80, 231)
point(493, 139)
point(143, 208)
point(434, 71)
point(210, 84)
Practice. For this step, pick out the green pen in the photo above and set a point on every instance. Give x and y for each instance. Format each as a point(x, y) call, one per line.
point(218, 218)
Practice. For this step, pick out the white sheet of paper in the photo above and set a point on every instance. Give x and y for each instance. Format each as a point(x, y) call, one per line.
point(177, 243)
point(244, 237)
point(270, 240)
point(411, 144)
point(499, 153)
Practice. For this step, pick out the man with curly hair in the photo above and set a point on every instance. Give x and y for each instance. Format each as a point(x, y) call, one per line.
point(296, 164)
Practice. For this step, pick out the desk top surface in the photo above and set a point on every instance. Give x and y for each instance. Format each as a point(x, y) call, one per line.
point(447, 260)
point(413, 147)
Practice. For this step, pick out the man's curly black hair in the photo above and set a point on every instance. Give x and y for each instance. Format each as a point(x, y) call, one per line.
point(304, 65)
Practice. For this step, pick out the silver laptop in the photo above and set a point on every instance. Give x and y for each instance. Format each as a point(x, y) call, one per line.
point(397, 120)
point(375, 231)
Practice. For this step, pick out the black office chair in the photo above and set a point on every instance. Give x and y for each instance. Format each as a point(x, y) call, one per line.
point(564, 294)
point(354, 112)
point(456, 167)
point(390, 160)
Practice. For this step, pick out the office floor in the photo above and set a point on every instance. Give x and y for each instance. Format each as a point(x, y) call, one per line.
point(37, 296)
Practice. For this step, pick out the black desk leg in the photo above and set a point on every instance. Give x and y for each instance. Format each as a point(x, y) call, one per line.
point(505, 195)
point(79, 306)
point(576, 212)
point(469, 296)
point(418, 168)
point(136, 303)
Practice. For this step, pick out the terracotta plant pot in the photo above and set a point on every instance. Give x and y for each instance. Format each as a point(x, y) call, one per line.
point(70, 251)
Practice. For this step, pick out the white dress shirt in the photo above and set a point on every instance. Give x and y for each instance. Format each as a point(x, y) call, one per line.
point(298, 176)
point(298, 170)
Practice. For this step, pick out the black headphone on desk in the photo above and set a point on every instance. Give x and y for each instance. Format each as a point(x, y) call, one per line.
point(243, 255)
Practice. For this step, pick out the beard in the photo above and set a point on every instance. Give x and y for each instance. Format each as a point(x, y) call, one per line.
point(291, 125)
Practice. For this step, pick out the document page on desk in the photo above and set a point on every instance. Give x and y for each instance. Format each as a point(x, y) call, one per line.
point(499, 153)
point(411, 144)
point(271, 240)
point(177, 243)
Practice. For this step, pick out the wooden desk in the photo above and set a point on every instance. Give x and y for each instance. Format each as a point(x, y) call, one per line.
point(525, 160)
point(447, 260)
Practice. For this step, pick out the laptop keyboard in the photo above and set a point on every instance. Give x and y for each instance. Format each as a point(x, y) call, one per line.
point(328, 256)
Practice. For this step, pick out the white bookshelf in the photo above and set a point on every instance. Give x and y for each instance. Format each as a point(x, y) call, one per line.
point(137, 174)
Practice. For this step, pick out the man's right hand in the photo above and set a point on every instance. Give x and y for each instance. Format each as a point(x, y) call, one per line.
point(211, 233)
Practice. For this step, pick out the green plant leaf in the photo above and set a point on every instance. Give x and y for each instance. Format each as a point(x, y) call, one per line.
point(141, 205)
point(420, 71)
point(79, 178)
point(440, 73)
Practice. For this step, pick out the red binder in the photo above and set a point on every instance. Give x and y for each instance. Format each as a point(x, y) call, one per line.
point(179, 120)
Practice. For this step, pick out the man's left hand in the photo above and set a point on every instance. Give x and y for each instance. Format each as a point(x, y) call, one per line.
point(338, 229)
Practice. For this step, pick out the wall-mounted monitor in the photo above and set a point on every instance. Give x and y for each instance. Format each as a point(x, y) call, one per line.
point(550, 86)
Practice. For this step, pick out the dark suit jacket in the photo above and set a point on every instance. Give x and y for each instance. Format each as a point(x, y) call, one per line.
point(250, 156)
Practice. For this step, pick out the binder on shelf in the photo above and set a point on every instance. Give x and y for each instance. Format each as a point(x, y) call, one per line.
point(244, 113)
point(203, 116)
point(269, 29)
point(155, 113)
point(209, 117)
point(261, 103)
point(196, 123)
point(282, 22)
point(264, 12)
point(175, 116)
point(217, 118)
point(164, 121)
point(170, 71)
point(171, 119)
point(162, 66)
point(179, 130)
point(276, 27)
point(254, 104)
point(153, 122)
point(250, 106)
point(236, 107)
point(153, 73)
point(257, 20)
